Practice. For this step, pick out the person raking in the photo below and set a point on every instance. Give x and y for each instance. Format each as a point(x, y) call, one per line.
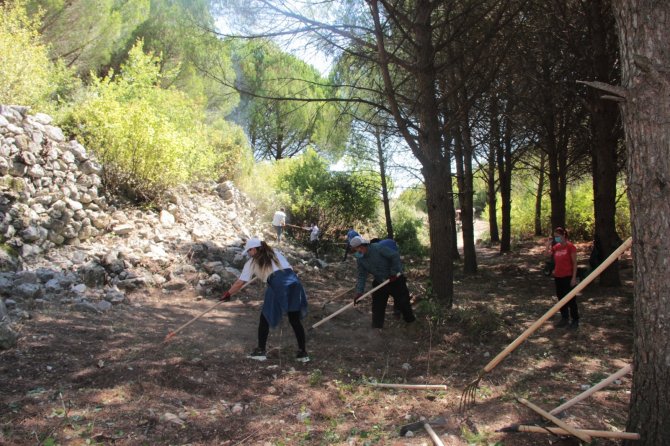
point(284, 294)
point(383, 263)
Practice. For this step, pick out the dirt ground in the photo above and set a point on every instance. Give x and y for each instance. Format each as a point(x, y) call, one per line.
point(80, 379)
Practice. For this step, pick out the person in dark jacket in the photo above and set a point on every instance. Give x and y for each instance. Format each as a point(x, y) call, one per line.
point(284, 294)
point(383, 263)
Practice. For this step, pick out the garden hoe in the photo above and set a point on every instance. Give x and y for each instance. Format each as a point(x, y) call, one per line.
point(173, 333)
point(468, 395)
point(427, 426)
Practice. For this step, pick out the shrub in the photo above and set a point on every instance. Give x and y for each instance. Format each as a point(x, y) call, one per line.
point(150, 138)
point(27, 76)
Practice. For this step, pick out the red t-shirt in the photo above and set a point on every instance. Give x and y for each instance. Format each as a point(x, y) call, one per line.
point(563, 259)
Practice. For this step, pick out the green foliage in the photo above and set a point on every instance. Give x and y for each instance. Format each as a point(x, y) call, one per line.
point(85, 34)
point(279, 119)
point(333, 200)
point(408, 229)
point(27, 76)
point(150, 138)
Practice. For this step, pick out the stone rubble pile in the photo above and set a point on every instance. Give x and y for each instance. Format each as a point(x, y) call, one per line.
point(64, 243)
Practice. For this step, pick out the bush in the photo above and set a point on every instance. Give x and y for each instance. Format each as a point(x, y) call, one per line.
point(149, 138)
point(27, 76)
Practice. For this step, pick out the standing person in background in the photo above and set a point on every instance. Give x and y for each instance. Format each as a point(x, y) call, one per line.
point(383, 263)
point(314, 239)
point(564, 254)
point(278, 222)
point(284, 294)
point(350, 234)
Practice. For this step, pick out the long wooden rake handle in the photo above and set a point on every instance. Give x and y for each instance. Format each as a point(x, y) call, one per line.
point(614, 376)
point(553, 310)
point(433, 436)
point(562, 424)
point(559, 431)
point(351, 304)
point(173, 333)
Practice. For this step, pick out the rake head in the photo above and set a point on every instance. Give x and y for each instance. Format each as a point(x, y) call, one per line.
point(468, 395)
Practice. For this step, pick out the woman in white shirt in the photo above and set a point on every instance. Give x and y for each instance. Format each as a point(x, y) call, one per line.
point(284, 294)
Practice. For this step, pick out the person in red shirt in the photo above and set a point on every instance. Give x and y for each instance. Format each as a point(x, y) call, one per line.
point(565, 275)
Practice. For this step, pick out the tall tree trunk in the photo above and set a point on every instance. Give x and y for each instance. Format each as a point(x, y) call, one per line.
point(463, 155)
point(605, 131)
point(427, 146)
point(644, 33)
point(494, 146)
point(385, 192)
point(438, 199)
point(538, 196)
point(505, 176)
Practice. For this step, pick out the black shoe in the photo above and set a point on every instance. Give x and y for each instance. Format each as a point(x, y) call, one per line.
point(574, 325)
point(258, 354)
point(562, 323)
point(302, 356)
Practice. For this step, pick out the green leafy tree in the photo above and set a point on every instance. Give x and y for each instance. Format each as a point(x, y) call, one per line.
point(333, 200)
point(280, 104)
point(84, 34)
point(26, 74)
point(150, 138)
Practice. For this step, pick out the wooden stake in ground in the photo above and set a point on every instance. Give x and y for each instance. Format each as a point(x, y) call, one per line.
point(468, 395)
point(573, 431)
point(346, 307)
point(559, 431)
point(173, 333)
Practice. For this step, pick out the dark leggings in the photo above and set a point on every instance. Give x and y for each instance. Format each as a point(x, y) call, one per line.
point(294, 320)
point(563, 287)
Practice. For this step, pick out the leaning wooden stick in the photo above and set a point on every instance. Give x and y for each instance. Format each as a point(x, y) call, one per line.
point(433, 435)
point(573, 431)
point(614, 376)
point(559, 431)
point(351, 304)
point(173, 333)
point(410, 386)
point(468, 395)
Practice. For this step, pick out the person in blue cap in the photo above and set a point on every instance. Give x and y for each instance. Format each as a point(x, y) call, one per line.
point(384, 264)
point(284, 294)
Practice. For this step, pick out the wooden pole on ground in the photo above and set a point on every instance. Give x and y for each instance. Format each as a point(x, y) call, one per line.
point(410, 386)
point(433, 435)
point(559, 431)
point(614, 376)
point(573, 431)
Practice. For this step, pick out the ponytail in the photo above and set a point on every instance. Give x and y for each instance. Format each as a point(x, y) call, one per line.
point(263, 260)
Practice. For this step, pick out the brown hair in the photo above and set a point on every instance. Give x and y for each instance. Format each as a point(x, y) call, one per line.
point(263, 260)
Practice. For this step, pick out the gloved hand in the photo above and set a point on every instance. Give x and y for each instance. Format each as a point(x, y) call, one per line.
point(357, 296)
point(393, 278)
point(225, 297)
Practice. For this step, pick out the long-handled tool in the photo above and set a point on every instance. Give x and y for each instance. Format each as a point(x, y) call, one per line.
point(468, 395)
point(441, 421)
point(351, 304)
point(173, 333)
point(562, 424)
point(605, 382)
point(559, 431)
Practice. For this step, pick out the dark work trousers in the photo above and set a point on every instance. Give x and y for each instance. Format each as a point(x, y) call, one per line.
point(294, 320)
point(562, 288)
point(397, 289)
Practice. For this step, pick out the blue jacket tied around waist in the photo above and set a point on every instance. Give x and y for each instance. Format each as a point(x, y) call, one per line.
point(283, 294)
